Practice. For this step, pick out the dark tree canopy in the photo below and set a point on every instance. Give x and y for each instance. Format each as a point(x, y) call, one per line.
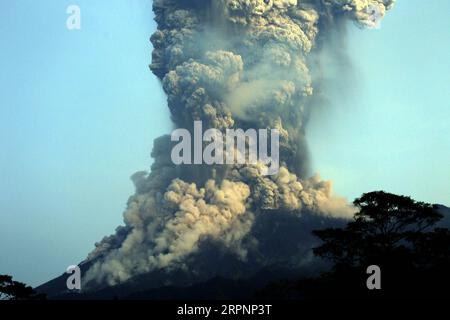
point(14, 290)
point(394, 232)
point(385, 225)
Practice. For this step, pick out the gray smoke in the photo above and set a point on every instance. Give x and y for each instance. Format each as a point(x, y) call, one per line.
point(231, 64)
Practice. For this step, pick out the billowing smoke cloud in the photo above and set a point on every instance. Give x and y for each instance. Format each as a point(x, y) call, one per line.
point(231, 64)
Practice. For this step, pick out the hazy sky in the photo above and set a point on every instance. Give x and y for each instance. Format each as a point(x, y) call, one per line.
point(79, 111)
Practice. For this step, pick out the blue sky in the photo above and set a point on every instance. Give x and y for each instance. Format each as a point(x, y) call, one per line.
point(389, 127)
point(79, 111)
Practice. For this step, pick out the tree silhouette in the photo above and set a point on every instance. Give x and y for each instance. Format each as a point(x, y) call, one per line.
point(386, 224)
point(14, 290)
point(393, 232)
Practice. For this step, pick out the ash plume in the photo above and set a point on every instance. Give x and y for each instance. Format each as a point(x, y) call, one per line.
point(231, 64)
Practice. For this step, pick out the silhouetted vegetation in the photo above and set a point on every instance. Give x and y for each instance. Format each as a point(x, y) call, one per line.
point(14, 290)
point(393, 232)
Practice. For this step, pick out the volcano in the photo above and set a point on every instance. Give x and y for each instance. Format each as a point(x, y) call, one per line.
point(229, 65)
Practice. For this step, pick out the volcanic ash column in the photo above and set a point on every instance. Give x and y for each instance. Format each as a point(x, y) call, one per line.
point(230, 64)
